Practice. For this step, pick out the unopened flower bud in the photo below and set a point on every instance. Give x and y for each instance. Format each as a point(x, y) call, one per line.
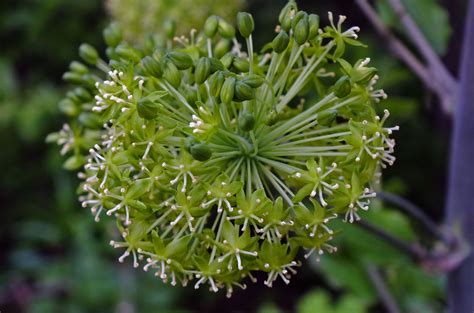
point(112, 35)
point(241, 64)
point(216, 82)
point(301, 31)
point(342, 88)
point(227, 90)
point(286, 15)
point(254, 80)
point(243, 91)
point(128, 53)
point(313, 20)
point(78, 67)
point(203, 70)
point(82, 94)
point(227, 60)
point(298, 17)
point(225, 29)
point(189, 142)
point(152, 67)
point(221, 48)
point(172, 74)
point(73, 78)
point(201, 152)
point(210, 26)
point(68, 107)
point(280, 42)
point(245, 24)
point(88, 53)
point(182, 60)
point(363, 75)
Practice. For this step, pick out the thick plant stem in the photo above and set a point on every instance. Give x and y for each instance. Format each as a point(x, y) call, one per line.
point(459, 207)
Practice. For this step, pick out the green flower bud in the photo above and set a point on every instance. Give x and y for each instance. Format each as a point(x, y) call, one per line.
point(88, 53)
point(254, 80)
point(246, 121)
point(73, 78)
point(227, 60)
point(189, 142)
point(74, 162)
point(201, 152)
point(216, 65)
point(203, 70)
point(128, 53)
point(241, 64)
point(90, 120)
point(216, 82)
point(68, 107)
point(172, 74)
point(110, 52)
point(285, 16)
point(280, 42)
point(182, 60)
point(82, 94)
point(227, 90)
point(170, 28)
point(78, 67)
point(225, 29)
point(342, 88)
point(71, 95)
point(363, 75)
point(245, 24)
point(298, 17)
point(152, 67)
point(243, 91)
point(313, 20)
point(210, 26)
point(221, 48)
point(112, 35)
point(301, 31)
point(147, 109)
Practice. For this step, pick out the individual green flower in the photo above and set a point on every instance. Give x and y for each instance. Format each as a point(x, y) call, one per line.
point(215, 168)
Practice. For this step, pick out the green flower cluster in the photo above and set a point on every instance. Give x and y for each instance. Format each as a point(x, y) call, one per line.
point(218, 162)
point(150, 16)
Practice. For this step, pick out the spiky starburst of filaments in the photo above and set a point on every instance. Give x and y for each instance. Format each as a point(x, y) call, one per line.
point(219, 163)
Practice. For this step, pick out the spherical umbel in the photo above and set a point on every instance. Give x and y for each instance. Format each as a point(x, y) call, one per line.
point(218, 162)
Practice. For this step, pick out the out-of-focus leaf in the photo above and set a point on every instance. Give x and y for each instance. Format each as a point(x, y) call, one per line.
point(431, 18)
point(351, 304)
point(269, 307)
point(344, 273)
point(315, 301)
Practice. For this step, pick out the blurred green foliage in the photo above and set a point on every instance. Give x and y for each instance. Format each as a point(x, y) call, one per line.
point(54, 258)
point(138, 17)
point(431, 18)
